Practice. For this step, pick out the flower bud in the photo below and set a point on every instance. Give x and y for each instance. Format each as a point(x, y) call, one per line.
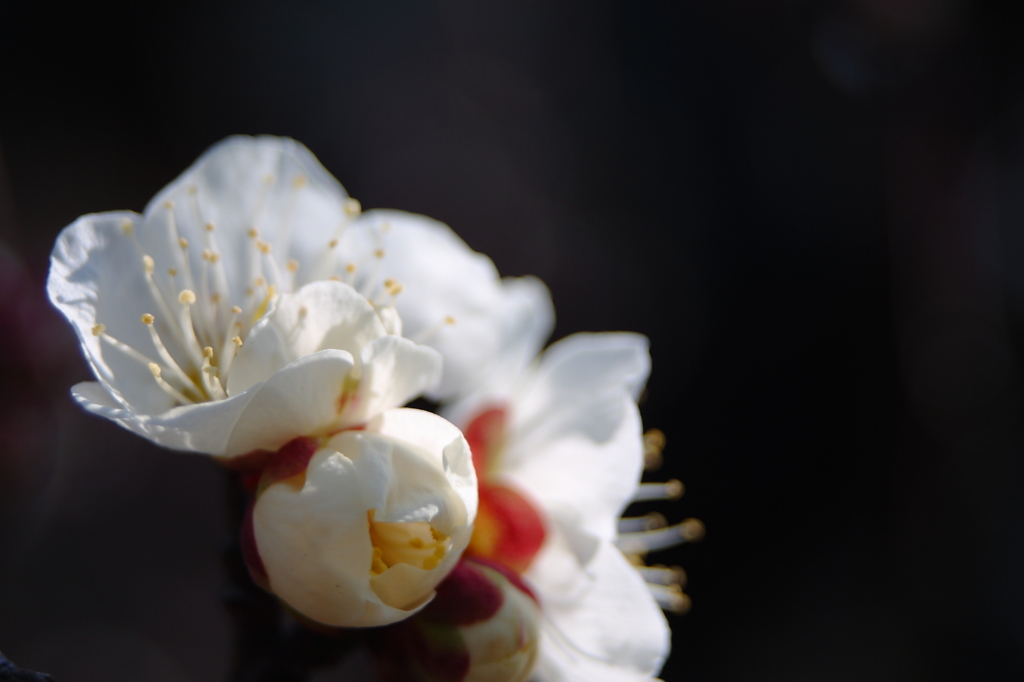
point(357, 529)
point(483, 626)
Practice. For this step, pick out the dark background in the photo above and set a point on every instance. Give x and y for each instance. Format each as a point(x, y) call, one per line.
point(815, 210)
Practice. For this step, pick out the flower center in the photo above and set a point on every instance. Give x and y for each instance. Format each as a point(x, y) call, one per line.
point(508, 529)
point(415, 543)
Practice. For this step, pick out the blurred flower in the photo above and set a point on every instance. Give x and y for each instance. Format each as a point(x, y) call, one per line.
point(483, 626)
point(559, 453)
point(358, 528)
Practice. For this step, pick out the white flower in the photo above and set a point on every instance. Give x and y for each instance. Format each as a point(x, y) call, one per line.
point(559, 453)
point(254, 218)
point(359, 528)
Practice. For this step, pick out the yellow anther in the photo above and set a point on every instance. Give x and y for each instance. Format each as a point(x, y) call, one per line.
point(437, 535)
point(148, 264)
point(128, 227)
point(169, 205)
point(209, 227)
point(253, 233)
point(154, 369)
point(235, 309)
point(353, 207)
point(237, 341)
point(260, 282)
point(416, 543)
point(192, 190)
point(334, 278)
point(350, 268)
point(271, 291)
point(249, 292)
point(215, 297)
point(214, 257)
point(183, 243)
point(439, 552)
point(449, 320)
point(147, 318)
point(692, 530)
point(207, 352)
point(267, 179)
point(331, 244)
point(385, 227)
point(388, 283)
point(263, 246)
point(207, 254)
point(396, 290)
point(172, 271)
point(187, 297)
point(303, 311)
point(293, 265)
point(299, 181)
point(430, 563)
point(98, 329)
point(378, 552)
point(379, 253)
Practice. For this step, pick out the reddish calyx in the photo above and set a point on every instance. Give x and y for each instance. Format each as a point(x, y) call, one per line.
point(508, 530)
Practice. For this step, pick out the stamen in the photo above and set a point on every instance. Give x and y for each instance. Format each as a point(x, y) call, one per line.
point(670, 597)
point(100, 330)
point(670, 490)
point(430, 332)
point(187, 297)
point(209, 376)
point(690, 530)
point(654, 443)
point(162, 351)
point(662, 575)
point(640, 523)
point(127, 227)
point(352, 207)
point(168, 389)
point(227, 353)
point(154, 290)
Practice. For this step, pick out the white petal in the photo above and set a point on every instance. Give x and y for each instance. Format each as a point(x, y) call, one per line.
point(578, 387)
point(315, 545)
point(614, 632)
point(527, 319)
point(319, 316)
point(394, 371)
point(300, 400)
point(441, 278)
point(96, 277)
point(603, 474)
point(227, 186)
point(435, 435)
point(205, 427)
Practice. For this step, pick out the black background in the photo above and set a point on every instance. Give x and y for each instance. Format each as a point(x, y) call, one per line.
point(815, 210)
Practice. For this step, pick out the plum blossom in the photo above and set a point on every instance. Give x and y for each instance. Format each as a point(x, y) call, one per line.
point(483, 626)
point(358, 528)
point(182, 285)
point(559, 451)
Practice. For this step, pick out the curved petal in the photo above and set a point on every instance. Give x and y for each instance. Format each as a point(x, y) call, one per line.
point(578, 387)
point(315, 545)
point(96, 277)
point(394, 371)
point(441, 438)
point(528, 317)
point(604, 474)
point(443, 279)
point(205, 427)
point(303, 399)
point(271, 184)
point(615, 632)
point(319, 316)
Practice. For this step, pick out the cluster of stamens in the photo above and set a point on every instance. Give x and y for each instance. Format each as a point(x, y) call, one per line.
point(195, 328)
point(415, 543)
point(638, 536)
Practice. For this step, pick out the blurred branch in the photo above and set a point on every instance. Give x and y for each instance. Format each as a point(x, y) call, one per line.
point(12, 673)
